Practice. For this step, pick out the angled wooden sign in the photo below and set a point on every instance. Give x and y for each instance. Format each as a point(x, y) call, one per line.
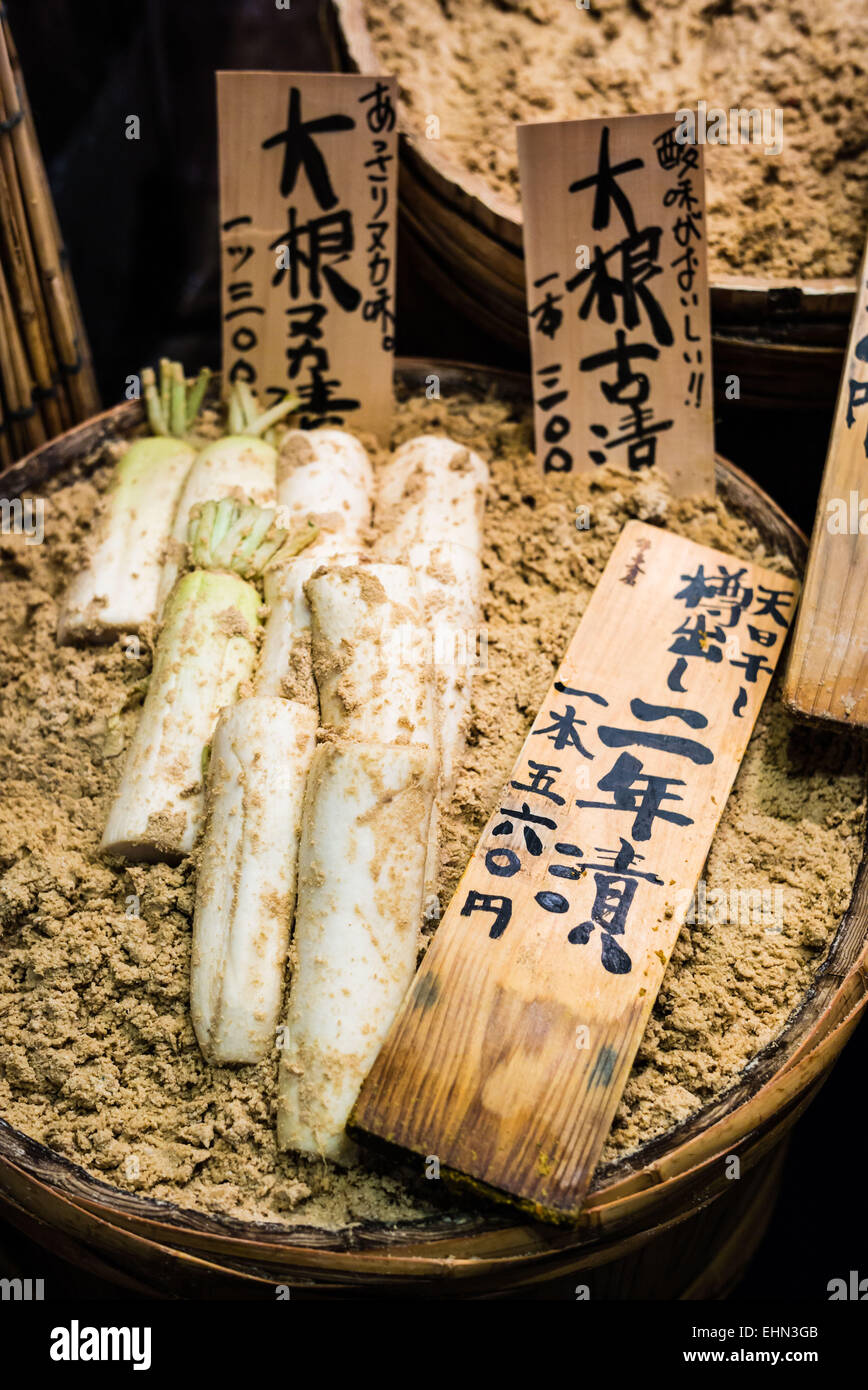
point(827, 675)
point(512, 1048)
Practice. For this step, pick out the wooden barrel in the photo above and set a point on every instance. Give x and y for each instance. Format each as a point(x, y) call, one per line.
point(667, 1221)
point(784, 339)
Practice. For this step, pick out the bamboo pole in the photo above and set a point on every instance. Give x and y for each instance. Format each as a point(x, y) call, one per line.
point(46, 373)
point(33, 332)
point(27, 432)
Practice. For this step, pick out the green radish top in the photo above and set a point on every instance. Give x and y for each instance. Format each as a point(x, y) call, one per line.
point(245, 416)
point(173, 405)
point(242, 538)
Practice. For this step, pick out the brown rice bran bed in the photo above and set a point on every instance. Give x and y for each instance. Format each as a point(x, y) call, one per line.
point(479, 66)
point(97, 1054)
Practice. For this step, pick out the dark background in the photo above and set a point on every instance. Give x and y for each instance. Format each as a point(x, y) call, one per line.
point(140, 222)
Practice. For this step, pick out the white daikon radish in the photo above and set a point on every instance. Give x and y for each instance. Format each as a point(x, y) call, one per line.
point(242, 465)
point(238, 467)
point(205, 650)
point(449, 578)
point(117, 589)
point(245, 887)
point(429, 513)
point(432, 490)
point(449, 581)
point(326, 474)
point(371, 654)
point(360, 885)
point(285, 662)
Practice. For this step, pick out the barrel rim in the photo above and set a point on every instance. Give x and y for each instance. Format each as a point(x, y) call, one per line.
point(836, 998)
point(501, 219)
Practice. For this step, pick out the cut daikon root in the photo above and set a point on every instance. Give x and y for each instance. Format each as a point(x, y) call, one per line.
point(326, 474)
point(241, 537)
point(286, 662)
point(360, 885)
point(429, 514)
point(245, 887)
point(206, 648)
point(118, 588)
point(449, 581)
point(371, 654)
point(432, 490)
point(237, 466)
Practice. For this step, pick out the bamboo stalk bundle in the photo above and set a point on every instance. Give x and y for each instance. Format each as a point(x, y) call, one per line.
point(46, 374)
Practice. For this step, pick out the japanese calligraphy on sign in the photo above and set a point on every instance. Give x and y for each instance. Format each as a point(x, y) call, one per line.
point(307, 208)
point(513, 1046)
point(617, 285)
point(854, 388)
point(827, 677)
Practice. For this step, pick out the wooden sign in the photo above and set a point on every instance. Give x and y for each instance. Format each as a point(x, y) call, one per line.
point(617, 285)
point(827, 676)
point(308, 200)
point(512, 1048)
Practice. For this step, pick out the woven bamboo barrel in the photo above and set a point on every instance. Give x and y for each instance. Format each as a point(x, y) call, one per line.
point(664, 1222)
point(784, 339)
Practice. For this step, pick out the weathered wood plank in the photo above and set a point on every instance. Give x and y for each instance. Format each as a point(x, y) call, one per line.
point(308, 201)
point(618, 303)
point(827, 674)
point(513, 1046)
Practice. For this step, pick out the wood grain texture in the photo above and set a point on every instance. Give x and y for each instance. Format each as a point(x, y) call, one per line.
point(511, 1050)
point(617, 295)
point(308, 209)
point(827, 675)
point(649, 1199)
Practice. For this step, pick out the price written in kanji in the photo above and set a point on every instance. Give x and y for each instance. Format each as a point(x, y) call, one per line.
point(615, 248)
point(308, 204)
point(568, 911)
